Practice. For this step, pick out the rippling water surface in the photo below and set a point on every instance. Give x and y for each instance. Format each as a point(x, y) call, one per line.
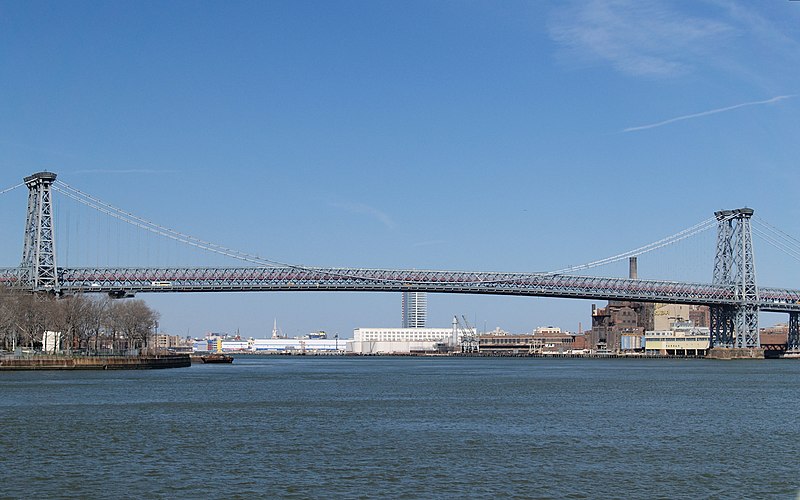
point(345, 427)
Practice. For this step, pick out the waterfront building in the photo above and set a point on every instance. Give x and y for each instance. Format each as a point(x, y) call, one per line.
point(666, 314)
point(415, 309)
point(234, 346)
point(775, 338)
point(543, 340)
point(620, 318)
point(272, 345)
point(406, 340)
point(203, 346)
point(631, 342)
point(700, 316)
point(298, 346)
point(683, 339)
point(163, 341)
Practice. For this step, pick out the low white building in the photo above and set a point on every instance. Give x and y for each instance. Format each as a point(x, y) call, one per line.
point(683, 339)
point(298, 345)
point(404, 340)
point(51, 342)
point(234, 345)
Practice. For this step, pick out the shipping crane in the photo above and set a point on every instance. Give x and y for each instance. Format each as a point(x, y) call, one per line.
point(469, 335)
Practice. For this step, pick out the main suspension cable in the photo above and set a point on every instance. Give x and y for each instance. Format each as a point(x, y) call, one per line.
point(788, 239)
point(118, 213)
point(669, 240)
point(129, 218)
point(780, 245)
point(160, 230)
point(6, 190)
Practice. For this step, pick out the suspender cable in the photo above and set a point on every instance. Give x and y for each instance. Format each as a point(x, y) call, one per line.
point(177, 236)
point(669, 240)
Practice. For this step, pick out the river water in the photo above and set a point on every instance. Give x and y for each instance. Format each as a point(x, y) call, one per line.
point(346, 427)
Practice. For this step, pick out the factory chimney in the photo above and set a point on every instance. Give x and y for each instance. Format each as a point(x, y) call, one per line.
point(633, 269)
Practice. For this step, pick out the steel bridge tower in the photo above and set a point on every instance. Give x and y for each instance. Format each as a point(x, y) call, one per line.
point(39, 268)
point(735, 326)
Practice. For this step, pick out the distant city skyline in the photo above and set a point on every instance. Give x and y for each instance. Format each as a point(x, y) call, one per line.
point(482, 136)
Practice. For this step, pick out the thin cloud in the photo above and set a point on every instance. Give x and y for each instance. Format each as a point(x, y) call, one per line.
point(636, 38)
point(709, 112)
point(361, 208)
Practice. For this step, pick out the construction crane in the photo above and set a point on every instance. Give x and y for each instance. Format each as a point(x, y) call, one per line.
point(469, 335)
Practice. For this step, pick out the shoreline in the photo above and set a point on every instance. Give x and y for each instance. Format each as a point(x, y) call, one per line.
point(57, 362)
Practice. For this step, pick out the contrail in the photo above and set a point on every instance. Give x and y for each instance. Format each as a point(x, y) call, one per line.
point(362, 208)
point(709, 112)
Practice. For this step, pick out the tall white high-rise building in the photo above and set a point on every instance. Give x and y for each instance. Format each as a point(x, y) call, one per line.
point(415, 309)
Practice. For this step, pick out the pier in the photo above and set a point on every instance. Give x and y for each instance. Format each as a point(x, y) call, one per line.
point(144, 362)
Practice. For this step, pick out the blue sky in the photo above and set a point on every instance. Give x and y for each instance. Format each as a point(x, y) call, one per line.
point(514, 136)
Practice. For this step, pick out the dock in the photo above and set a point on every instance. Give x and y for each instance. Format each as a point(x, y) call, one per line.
point(46, 362)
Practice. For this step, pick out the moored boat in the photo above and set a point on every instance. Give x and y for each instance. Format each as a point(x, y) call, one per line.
point(216, 358)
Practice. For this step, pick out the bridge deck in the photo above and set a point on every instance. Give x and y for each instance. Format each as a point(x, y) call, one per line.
point(138, 280)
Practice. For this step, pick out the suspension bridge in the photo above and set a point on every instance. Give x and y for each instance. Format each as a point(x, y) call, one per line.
point(733, 296)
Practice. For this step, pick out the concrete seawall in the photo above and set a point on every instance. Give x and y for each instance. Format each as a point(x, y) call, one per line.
point(144, 362)
point(735, 353)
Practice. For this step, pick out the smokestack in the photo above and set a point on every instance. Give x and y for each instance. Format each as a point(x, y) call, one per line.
point(633, 269)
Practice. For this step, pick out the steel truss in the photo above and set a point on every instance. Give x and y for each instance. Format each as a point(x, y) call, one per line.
point(128, 281)
point(722, 317)
point(734, 267)
point(135, 280)
point(39, 253)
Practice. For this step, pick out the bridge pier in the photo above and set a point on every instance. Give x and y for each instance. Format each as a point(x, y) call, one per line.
point(722, 330)
point(746, 327)
point(793, 341)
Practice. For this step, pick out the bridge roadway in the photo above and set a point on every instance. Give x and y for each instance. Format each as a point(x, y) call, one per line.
point(127, 281)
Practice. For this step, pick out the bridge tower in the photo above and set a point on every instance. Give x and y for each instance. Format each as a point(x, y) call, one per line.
point(734, 266)
point(39, 252)
point(722, 317)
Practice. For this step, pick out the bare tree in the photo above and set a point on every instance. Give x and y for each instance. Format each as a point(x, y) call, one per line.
point(92, 322)
point(96, 320)
point(134, 320)
point(81, 322)
point(9, 332)
point(24, 316)
point(34, 316)
point(69, 318)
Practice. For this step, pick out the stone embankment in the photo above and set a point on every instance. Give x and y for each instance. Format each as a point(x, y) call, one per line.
point(144, 362)
point(735, 353)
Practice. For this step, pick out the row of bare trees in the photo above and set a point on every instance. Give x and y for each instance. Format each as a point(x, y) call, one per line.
point(84, 324)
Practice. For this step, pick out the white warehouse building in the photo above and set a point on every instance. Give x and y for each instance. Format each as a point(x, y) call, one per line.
point(298, 345)
point(403, 340)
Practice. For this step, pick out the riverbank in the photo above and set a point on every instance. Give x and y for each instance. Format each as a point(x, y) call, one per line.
point(143, 362)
